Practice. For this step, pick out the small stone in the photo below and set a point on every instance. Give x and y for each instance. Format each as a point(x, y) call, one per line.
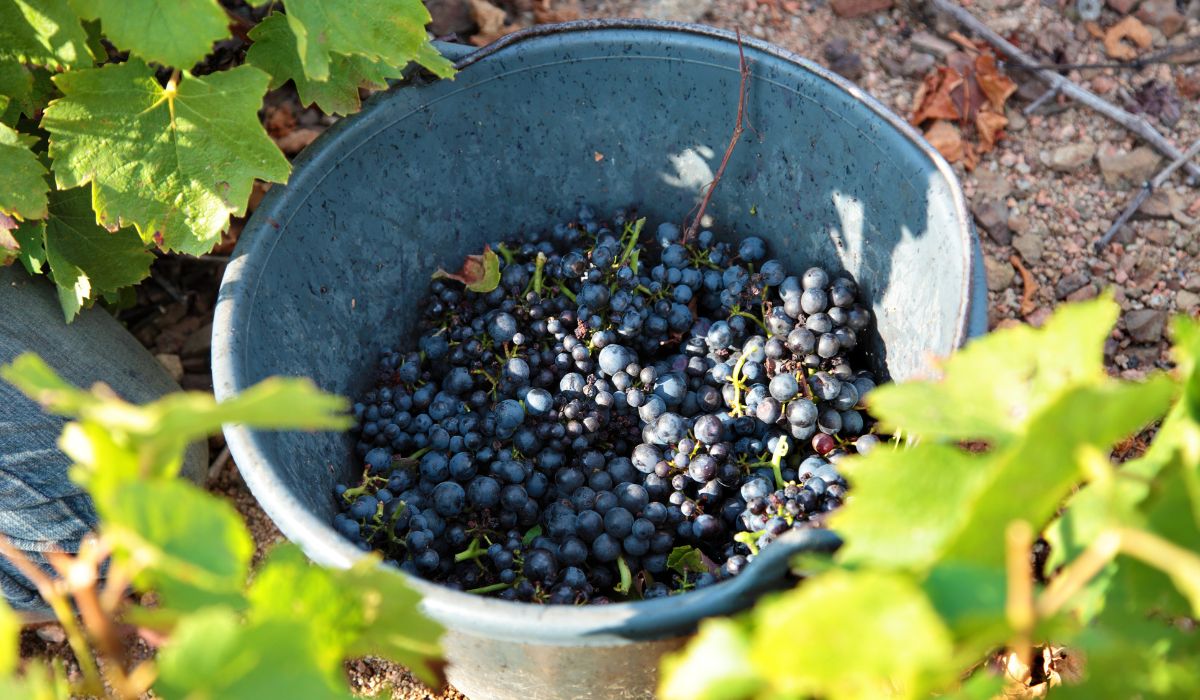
point(450, 17)
point(991, 185)
point(1029, 246)
point(843, 60)
point(1187, 301)
point(198, 343)
point(171, 363)
point(1000, 274)
point(1019, 224)
point(1146, 325)
point(1133, 167)
point(918, 64)
point(677, 10)
point(52, 634)
point(1103, 84)
point(1070, 283)
point(1087, 291)
point(1016, 120)
point(992, 216)
point(1159, 236)
point(932, 44)
point(1071, 157)
point(1122, 6)
point(858, 8)
point(1161, 14)
point(1192, 283)
point(1161, 204)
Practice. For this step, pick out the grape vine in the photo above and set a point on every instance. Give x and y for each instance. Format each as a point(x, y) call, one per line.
point(103, 105)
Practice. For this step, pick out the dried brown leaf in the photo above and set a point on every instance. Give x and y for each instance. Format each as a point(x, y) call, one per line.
point(1130, 29)
point(936, 100)
point(947, 139)
point(995, 85)
point(990, 126)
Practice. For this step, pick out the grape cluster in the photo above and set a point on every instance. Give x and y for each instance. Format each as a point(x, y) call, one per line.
point(618, 418)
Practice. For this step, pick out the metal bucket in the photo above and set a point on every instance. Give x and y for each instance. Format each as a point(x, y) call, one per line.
point(612, 113)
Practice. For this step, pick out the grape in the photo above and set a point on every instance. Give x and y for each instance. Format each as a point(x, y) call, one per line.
point(597, 417)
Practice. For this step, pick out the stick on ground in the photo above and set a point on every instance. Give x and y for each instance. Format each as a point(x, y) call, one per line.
point(1144, 193)
point(1132, 122)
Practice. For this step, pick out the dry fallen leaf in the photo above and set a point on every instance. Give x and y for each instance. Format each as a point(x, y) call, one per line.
point(295, 141)
point(280, 121)
point(552, 11)
point(491, 21)
point(970, 91)
point(1131, 29)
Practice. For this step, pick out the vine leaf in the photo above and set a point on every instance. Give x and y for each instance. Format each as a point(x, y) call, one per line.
point(42, 33)
point(274, 51)
point(174, 161)
point(481, 273)
point(86, 260)
point(23, 185)
point(171, 32)
point(389, 31)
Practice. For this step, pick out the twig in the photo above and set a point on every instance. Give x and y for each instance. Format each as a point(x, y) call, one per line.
point(744, 69)
point(1019, 605)
point(1158, 57)
point(214, 470)
point(1136, 124)
point(1144, 193)
point(1041, 100)
point(1028, 282)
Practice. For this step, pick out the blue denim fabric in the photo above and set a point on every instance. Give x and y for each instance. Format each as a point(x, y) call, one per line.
point(40, 508)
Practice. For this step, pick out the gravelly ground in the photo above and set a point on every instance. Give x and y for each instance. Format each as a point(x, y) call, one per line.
point(1043, 196)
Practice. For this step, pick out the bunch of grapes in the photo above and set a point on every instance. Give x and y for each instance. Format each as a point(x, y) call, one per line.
point(620, 417)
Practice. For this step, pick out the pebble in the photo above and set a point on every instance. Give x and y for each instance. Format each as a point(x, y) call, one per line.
point(1145, 325)
point(1122, 6)
point(54, 634)
point(450, 17)
point(1029, 246)
point(1161, 14)
point(1069, 158)
point(1133, 167)
point(1069, 283)
point(680, 10)
point(931, 44)
point(1187, 301)
point(171, 363)
point(917, 64)
point(992, 217)
point(842, 60)
point(991, 184)
point(198, 343)
point(1087, 291)
point(1000, 274)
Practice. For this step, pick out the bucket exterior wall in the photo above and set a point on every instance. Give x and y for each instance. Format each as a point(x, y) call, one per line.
point(330, 269)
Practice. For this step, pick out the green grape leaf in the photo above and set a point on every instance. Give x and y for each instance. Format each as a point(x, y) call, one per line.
point(30, 236)
point(433, 61)
point(995, 386)
point(189, 545)
point(716, 665)
point(393, 625)
point(212, 655)
point(88, 261)
point(10, 248)
point(1039, 473)
point(38, 680)
point(907, 503)
point(686, 559)
point(880, 637)
point(274, 51)
point(288, 587)
point(388, 31)
point(23, 185)
point(42, 33)
point(15, 83)
point(171, 32)
point(28, 100)
point(175, 161)
point(10, 631)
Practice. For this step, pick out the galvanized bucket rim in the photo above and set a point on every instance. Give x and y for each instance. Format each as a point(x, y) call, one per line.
point(572, 625)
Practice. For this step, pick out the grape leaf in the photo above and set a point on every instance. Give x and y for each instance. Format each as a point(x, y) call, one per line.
point(10, 248)
point(715, 666)
point(686, 559)
point(15, 83)
point(191, 547)
point(42, 33)
point(171, 32)
point(1036, 475)
point(393, 625)
point(933, 481)
point(174, 161)
point(433, 61)
point(288, 587)
point(32, 254)
point(880, 637)
point(23, 185)
point(388, 31)
point(480, 273)
point(30, 94)
point(997, 384)
point(87, 261)
point(212, 655)
point(274, 51)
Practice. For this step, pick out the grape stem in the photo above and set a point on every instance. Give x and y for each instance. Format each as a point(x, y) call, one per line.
point(781, 450)
point(489, 589)
point(752, 317)
point(744, 70)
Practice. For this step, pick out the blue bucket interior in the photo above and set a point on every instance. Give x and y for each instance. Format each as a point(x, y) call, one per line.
point(331, 269)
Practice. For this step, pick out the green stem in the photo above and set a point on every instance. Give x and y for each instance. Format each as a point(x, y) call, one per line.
point(626, 577)
point(566, 292)
point(490, 589)
point(537, 273)
point(473, 551)
point(505, 253)
point(752, 317)
point(781, 450)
